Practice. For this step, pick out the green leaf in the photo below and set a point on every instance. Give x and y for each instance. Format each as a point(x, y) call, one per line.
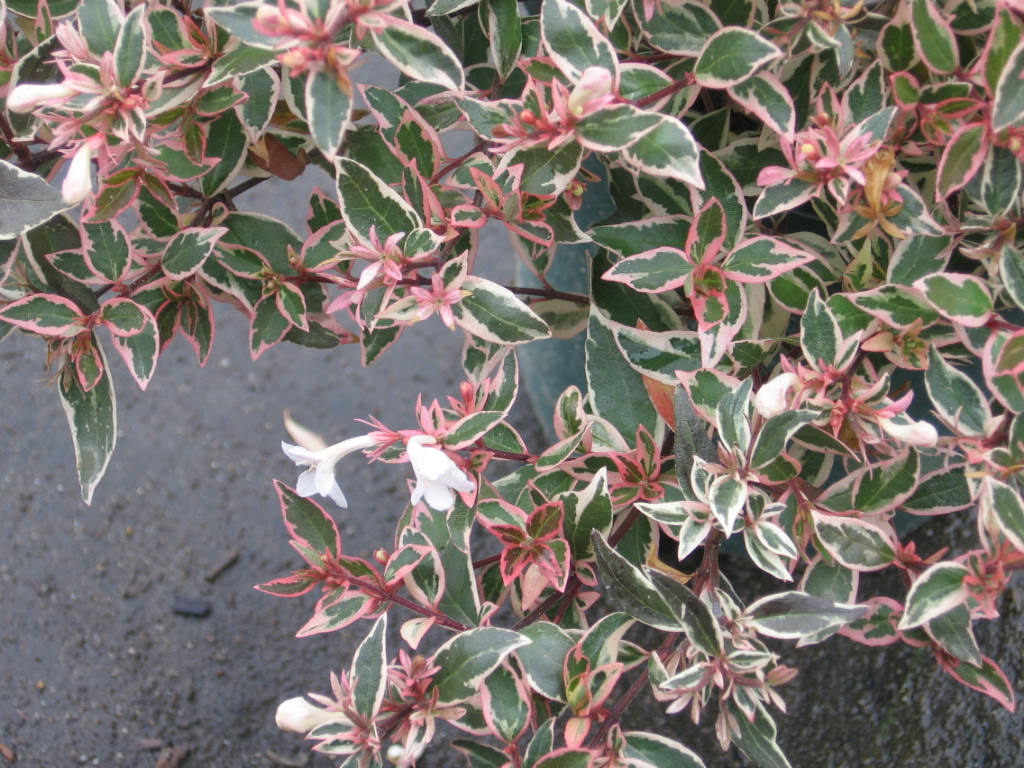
point(629, 590)
point(369, 670)
point(952, 630)
point(506, 34)
point(1008, 110)
point(98, 21)
point(480, 755)
point(269, 326)
point(857, 544)
point(543, 658)
point(130, 49)
point(615, 127)
point(699, 623)
point(615, 389)
point(46, 315)
point(309, 524)
point(792, 615)
point(654, 271)
point(26, 201)
point(886, 484)
point(775, 434)
point(668, 150)
point(188, 250)
point(140, 350)
point(1002, 504)
point(586, 511)
point(546, 172)
point(732, 55)
point(226, 145)
point(92, 417)
point(961, 158)
point(933, 37)
point(681, 28)
point(756, 737)
point(468, 658)
point(768, 99)
point(415, 51)
point(659, 751)
point(936, 591)
point(505, 709)
point(959, 402)
point(819, 332)
point(573, 40)
point(328, 108)
point(962, 298)
point(918, 256)
point(367, 202)
point(493, 313)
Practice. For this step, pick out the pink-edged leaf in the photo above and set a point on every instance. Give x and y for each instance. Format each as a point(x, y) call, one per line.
point(965, 299)
point(961, 159)
point(196, 321)
point(573, 40)
point(764, 258)
point(857, 544)
point(933, 37)
point(106, 249)
point(369, 670)
point(732, 55)
point(46, 314)
point(288, 586)
point(566, 757)
point(269, 326)
point(187, 251)
point(535, 231)
point(505, 701)
point(89, 363)
point(668, 150)
point(311, 528)
point(877, 628)
point(615, 127)
point(654, 271)
point(936, 591)
point(414, 50)
point(765, 97)
point(778, 197)
point(336, 610)
point(987, 678)
point(124, 317)
point(140, 348)
point(291, 302)
point(1001, 504)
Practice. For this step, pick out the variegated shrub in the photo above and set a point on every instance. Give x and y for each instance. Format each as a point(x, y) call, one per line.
point(779, 237)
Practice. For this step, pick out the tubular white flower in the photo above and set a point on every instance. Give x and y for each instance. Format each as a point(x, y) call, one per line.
point(78, 183)
point(300, 716)
point(916, 433)
point(594, 83)
point(27, 97)
point(319, 478)
point(773, 398)
point(437, 476)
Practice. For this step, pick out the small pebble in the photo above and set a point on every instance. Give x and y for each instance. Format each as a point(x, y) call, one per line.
point(190, 606)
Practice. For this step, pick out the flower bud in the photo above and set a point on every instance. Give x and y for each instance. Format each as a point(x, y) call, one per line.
point(773, 398)
point(595, 83)
point(27, 97)
point(78, 183)
point(300, 716)
point(916, 433)
point(270, 21)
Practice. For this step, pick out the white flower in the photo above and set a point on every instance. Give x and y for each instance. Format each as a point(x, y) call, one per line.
point(592, 91)
point(319, 478)
point(436, 474)
point(300, 716)
point(917, 433)
point(27, 97)
point(78, 183)
point(773, 398)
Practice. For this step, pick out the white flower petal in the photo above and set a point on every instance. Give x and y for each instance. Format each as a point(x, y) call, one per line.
point(773, 397)
point(439, 496)
point(337, 496)
point(306, 484)
point(298, 454)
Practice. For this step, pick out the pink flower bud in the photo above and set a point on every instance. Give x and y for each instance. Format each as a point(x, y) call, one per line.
point(27, 97)
point(592, 91)
point(78, 183)
point(773, 398)
point(270, 21)
point(917, 433)
point(300, 716)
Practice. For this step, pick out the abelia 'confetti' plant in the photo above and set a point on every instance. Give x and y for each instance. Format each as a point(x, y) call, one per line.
point(801, 331)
